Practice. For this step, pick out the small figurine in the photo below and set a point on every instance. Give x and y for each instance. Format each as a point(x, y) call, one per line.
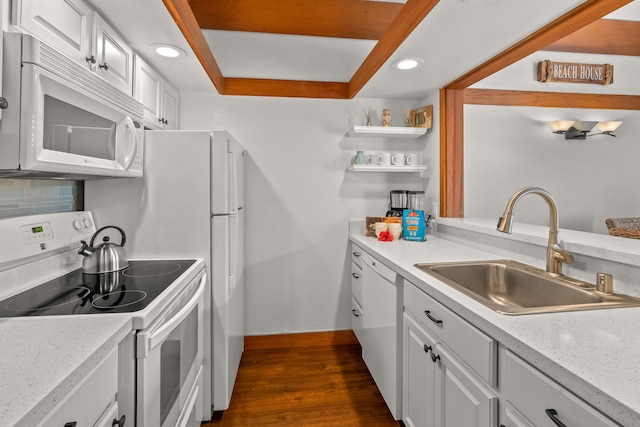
point(407, 117)
point(386, 117)
point(368, 114)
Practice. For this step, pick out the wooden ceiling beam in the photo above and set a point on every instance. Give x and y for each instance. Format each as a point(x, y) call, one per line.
point(355, 19)
point(183, 16)
point(284, 88)
point(550, 99)
point(586, 13)
point(605, 36)
point(409, 17)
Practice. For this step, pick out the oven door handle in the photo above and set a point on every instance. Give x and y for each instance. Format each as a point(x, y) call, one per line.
point(147, 341)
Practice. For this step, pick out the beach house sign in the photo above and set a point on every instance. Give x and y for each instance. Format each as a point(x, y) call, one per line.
point(569, 72)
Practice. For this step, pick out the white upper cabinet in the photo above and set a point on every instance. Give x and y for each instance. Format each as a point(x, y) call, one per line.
point(114, 59)
point(64, 24)
point(159, 99)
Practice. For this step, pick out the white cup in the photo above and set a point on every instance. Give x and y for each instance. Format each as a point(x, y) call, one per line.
point(380, 227)
point(397, 159)
point(383, 159)
point(395, 228)
point(371, 159)
point(411, 159)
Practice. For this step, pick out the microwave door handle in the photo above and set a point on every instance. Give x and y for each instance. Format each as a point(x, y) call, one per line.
point(151, 339)
point(131, 144)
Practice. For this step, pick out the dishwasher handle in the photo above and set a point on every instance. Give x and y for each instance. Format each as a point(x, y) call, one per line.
point(380, 268)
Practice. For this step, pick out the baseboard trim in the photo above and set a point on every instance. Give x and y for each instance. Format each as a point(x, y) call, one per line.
point(301, 340)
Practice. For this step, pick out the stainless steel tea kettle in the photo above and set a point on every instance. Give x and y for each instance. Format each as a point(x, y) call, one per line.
point(106, 257)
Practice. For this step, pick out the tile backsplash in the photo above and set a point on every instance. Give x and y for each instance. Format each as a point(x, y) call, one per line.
point(20, 197)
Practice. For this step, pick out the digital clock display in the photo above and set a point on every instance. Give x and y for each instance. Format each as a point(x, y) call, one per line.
point(37, 229)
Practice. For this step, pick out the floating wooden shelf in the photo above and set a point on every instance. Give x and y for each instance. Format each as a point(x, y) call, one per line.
point(387, 131)
point(386, 168)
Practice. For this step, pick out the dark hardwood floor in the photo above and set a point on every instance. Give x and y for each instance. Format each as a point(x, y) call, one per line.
point(315, 379)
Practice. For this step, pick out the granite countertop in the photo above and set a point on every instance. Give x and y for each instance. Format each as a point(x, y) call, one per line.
point(594, 353)
point(43, 359)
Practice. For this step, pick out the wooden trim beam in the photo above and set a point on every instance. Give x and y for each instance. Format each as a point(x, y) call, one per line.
point(551, 99)
point(605, 36)
point(451, 153)
point(185, 19)
point(354, 19)
point(586, 13)
point(411, 14)
point(451, 112)
point(284, 88)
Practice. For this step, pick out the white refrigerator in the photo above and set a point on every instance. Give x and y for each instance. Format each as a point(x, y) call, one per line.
point(188, 204)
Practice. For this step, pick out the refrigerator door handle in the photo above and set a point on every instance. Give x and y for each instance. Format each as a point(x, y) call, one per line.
point(233, 183)
point(233, 251)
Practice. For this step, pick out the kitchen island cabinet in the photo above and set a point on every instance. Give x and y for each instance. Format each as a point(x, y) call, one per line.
point(555, 344)
point(63, 370)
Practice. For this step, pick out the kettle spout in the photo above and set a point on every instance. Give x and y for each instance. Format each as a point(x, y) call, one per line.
point(85, 249)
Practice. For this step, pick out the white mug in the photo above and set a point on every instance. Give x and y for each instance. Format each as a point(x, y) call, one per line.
point(397, 159)
point(380, 227)
point(384, 159)
point(411, 159)
point(371, 159)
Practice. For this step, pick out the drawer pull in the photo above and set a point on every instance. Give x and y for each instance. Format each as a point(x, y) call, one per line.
point(356, 254)
point(355, 275)
point(427, 348)
point(552, 413)
point(433, 319)
point(355, 313)
point(435, 357)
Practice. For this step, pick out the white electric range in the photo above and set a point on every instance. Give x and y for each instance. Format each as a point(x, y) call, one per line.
point(41, 276)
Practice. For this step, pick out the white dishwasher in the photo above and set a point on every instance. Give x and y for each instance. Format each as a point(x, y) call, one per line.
point(381, 329)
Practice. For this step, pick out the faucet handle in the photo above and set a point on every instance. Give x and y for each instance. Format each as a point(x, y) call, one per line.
point(561, 255)
point(604, 283)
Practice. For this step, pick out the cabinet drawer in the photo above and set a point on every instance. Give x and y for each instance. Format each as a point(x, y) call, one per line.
point(356, 319)
point(475, 348)
point(88, 401)
point(534, 395)
point(356, 282)
point(356, 254)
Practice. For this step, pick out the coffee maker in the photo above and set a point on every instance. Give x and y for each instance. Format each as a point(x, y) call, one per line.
point(397, 202)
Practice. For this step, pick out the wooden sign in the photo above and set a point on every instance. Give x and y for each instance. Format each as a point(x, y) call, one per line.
point(568, 72)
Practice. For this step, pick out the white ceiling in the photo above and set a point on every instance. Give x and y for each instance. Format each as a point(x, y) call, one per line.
point(454, 38)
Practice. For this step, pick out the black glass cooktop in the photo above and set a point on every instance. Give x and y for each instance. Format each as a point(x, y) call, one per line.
point(126, 291)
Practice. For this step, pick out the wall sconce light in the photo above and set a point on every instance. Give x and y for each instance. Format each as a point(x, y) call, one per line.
point(580, 130)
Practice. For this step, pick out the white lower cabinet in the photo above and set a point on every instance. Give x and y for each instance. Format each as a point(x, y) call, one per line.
point(539, 401)
point(438, 390)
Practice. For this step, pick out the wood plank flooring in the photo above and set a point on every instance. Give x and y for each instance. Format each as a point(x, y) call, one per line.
point(315, 379)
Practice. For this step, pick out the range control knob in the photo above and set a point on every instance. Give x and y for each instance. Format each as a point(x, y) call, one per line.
point(77, 224)
point(87, 222)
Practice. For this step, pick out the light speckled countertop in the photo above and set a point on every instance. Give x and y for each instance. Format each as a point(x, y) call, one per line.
point(43, 359)
point(594, 353)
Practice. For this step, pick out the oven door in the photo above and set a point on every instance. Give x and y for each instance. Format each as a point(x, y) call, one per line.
point(170, 357)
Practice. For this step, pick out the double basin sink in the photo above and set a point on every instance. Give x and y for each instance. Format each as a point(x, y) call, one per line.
point(510, 287)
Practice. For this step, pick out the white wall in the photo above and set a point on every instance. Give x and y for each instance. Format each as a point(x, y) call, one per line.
point(299, 199)
point(507, 148)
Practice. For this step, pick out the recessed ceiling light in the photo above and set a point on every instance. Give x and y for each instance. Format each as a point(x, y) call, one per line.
point(168, 51)
point(407, 63)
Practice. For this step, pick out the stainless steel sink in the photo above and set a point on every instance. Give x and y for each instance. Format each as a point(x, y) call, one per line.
point(510, 287)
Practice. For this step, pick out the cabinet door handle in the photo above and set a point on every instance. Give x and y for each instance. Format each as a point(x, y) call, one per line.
point(552, 413)
point(105, 66)
point(435, 357)
point(433, 319)
point(119, 422)
point(91, 59)
point(355, 275)
point(355, 313)
point(356, 254)
point(427, 348)
point(71, 424)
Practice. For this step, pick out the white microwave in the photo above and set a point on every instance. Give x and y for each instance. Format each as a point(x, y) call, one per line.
point(63, 120)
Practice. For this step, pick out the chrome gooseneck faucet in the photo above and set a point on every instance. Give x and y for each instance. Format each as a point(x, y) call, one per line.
point(555, 254)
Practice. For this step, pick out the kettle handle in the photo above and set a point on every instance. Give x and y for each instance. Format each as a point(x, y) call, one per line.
point(124, 238)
